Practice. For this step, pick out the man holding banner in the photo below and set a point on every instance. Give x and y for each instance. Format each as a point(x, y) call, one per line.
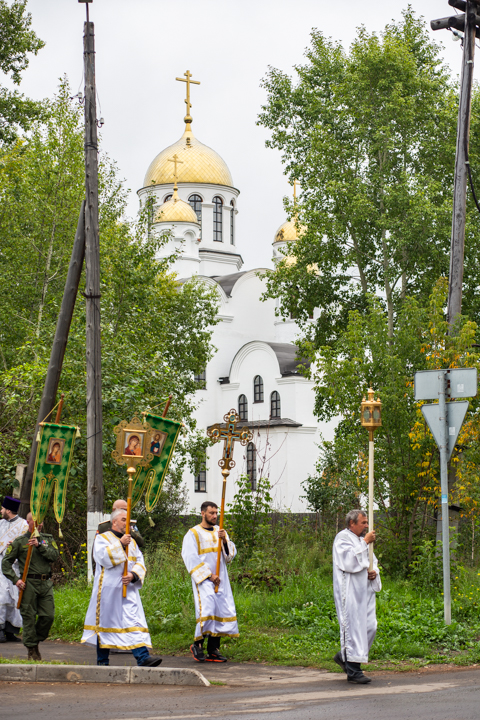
point(37, 607)
point(11, 526)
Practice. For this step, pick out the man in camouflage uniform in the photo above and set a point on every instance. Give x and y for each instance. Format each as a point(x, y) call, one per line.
point(37, 607)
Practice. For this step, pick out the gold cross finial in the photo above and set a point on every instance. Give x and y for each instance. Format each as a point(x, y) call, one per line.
point(295, 183)
point(187, 79)
point(175, 162)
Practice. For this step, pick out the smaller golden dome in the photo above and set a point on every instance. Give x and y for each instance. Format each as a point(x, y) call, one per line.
point(176, 210)
point(288, 232)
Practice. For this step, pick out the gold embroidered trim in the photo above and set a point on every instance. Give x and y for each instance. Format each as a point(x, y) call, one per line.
point(125, 647)
point(200, 637)
point(196, 568)
point(115, 630)
point(194, 531)
point(218, 619)
point(100, 583)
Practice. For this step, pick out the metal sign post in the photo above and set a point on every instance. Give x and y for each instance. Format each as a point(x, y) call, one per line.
point(445, 420)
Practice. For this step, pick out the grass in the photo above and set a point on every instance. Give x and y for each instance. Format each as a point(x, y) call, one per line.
point(296, 624)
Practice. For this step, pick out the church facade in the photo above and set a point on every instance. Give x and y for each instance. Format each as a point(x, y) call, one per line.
point(255, 368)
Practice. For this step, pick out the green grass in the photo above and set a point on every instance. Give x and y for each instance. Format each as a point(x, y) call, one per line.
point(297, 624)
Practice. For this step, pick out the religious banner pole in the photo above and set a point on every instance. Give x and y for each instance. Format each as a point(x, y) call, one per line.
point(371, 418)
point(230, 435)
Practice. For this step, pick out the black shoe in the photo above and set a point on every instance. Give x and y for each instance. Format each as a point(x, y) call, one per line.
point(359, 679)
point(12, 638)
point(197, 652)
point(3, 637)
point(152, 661)
point(339, 660)
point(215, 657)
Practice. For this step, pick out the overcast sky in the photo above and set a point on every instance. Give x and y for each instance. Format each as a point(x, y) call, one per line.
point(142, 45)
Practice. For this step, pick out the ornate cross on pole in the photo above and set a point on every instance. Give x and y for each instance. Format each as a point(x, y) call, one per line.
point(188, 75)
point(230, 434)
point(175, 162)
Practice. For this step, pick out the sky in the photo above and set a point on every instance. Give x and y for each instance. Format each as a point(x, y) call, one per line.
point(228, 45)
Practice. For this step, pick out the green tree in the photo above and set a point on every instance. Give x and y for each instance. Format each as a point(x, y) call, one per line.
point(17, 41)
point(370, 135)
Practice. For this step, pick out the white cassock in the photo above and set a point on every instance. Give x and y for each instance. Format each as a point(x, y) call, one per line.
point(354, 595)
point(9, 530)
point(118, 622)
point(215, 612)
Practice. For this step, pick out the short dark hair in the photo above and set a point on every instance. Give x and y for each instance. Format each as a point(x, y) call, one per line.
point(208, 504)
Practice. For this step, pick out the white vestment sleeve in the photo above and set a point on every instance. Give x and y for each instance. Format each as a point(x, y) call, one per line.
point(108, 551)
point(232, 550)
point(195, 566)
point(350, 558)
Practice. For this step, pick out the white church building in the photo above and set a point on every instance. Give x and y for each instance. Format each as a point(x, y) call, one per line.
point(255, 368)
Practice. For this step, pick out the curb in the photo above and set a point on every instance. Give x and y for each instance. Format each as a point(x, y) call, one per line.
point(99, 674)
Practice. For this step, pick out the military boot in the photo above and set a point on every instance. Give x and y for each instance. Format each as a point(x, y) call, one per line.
point(34, 653)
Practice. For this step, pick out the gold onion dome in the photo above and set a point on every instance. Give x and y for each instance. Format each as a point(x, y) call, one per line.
point(198, 164)
point(176, 210)
point(288, 232)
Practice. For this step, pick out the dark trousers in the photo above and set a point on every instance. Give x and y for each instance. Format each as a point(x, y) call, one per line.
point(140, 654)
point(37, 610)
point(213, 644)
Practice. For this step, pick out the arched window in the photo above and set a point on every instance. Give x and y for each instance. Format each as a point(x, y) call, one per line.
point(252, 465)
point(275, 405)
point(201, 478)
point(196, 203)
point(217, 219)
point(257, 389)
point(243, 407)
point(167, 197)
point(232, 223)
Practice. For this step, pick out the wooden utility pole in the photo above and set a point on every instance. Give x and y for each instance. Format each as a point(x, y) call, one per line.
point(57, 353)
point(92, 284)
point(466, 23)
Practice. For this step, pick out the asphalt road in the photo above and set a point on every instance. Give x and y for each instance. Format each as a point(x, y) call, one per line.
point(249, 692)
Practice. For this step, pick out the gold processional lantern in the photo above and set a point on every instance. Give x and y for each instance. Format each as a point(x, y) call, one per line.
point(371, 418)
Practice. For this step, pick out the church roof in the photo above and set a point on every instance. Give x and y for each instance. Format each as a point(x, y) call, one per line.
point(227, 282)
point(273, 422)
point(288, 232)
point(288, 360)
point(197, 162)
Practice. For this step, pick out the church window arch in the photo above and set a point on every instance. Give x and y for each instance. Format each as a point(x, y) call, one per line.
point(275, 406)
point(195, 201)
point(167, 198)
point(243, 407)
point(252, 465)
point(217, 219)
point(232, 223)
point(258, 389)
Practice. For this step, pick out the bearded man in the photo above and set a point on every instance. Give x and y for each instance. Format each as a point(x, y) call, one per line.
point(354, 588)
point(11, 527)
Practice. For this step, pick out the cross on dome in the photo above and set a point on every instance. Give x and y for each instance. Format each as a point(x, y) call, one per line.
point(187, 79)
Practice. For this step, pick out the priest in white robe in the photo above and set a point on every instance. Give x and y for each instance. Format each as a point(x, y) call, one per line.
point(11, 527)
point(354, 588)
point(112, 621)
point(215, 612)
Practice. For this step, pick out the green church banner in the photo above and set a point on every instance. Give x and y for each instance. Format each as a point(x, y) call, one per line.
point(52, 468)
point(150, 479)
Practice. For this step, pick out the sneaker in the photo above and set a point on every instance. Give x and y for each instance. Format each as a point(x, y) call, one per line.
point(215, 657)
point(339, 660)
point(197, 652)
point(152, 661)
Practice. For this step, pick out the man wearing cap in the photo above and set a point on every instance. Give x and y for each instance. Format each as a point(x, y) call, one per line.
point(37, 607)
point(11, 526)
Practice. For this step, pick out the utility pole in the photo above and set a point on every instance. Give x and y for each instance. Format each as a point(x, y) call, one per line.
point(466, 23)
point(92, 292)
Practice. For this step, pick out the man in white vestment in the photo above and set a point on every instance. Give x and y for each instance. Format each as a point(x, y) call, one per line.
point(112, 621)
point(215, 612)
point(354, 588)
point(11, 527)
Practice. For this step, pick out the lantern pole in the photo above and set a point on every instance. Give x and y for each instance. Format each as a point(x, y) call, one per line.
point(371, 419)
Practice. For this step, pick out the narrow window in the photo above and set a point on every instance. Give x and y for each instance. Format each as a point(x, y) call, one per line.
point(201, 478)
point(167, 198)
point(257, 389)
point(201, 380)
point(252, 465)
point(196, 203)
point(232, 223)
point(243, 407)
point(217, 219)
point(275, 405)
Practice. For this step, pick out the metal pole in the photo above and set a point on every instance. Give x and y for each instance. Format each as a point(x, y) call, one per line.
point(457, 247)
point(57, 353)
point(444, 490)
point(92, 289)
point(370, 494)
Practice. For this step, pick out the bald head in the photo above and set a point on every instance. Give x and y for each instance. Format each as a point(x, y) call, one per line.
point(119, 505)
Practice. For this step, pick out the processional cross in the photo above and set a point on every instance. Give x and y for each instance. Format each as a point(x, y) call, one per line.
point(187, 79)
point(230, 434)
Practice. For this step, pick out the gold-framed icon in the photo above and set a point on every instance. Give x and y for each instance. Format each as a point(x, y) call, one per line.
point(134, 441)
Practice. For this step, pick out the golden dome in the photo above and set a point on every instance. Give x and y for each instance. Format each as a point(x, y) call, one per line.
point(176, 210)
point(197, 164)
point(287, 232)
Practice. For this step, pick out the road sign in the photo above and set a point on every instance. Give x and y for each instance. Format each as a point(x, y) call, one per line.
point(461, 383)
point(456, 412)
